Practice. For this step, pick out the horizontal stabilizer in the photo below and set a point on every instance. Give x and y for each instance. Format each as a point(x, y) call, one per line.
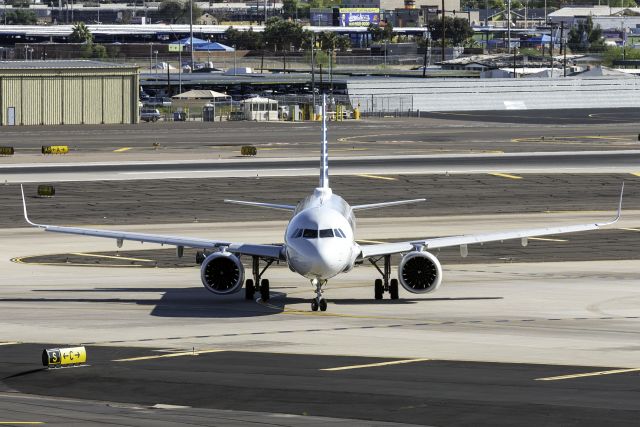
point(262, 205)
point(385, 204)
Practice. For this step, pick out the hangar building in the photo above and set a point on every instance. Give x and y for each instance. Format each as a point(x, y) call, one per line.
point(67, 92)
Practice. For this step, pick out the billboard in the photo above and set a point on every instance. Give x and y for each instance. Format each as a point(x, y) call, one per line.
point(359, 16)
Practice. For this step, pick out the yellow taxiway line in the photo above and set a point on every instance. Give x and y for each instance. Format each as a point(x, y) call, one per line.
point(588, 374)
point(505, 175)
point(21, 423)
point(121, 150)
point(369, 241)
point(635, 173)
point(546, 239)
point(9, 343)
point(111, 257)
point(375, 365)
point(629, 229)
point(386, 178)
point(165, 356)
point(20, 260)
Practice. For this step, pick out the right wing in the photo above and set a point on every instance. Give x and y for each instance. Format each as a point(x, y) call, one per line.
point(385, 204)
point(267, 251)
point(466, 239)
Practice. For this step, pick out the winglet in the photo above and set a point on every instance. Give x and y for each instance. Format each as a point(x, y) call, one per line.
point(24, 206)
point(619, 215)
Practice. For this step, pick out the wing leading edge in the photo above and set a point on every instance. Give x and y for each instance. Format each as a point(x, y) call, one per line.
point(268, 251)
point(466, 239)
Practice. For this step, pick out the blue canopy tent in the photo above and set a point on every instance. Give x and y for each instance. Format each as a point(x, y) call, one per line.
point(203, 45)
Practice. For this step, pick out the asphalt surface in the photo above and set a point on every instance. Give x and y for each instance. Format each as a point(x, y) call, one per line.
point(201, 200)
point(521, 131)
point(426, 392)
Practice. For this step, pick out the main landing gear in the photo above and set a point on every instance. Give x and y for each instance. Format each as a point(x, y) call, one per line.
point(251, 285)
point(319, 302)
point(386, 284)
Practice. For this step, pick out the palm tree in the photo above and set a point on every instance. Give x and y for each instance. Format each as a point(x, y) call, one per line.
point(81, 34)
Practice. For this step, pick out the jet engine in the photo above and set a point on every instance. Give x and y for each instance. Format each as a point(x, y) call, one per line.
point(222, 273)
point(420, 272)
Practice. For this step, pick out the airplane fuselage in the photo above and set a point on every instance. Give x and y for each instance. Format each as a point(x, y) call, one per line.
point(319, 239)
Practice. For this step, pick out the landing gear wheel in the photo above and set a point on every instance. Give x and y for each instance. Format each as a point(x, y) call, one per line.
point(264, 290)
point(314, 305)
point(249, 289)
point(393, 288)
point(323, 305)
point(379, 289)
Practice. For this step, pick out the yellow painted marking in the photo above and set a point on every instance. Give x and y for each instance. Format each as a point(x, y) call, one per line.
point(123, 149)
point(506, 175)
point(629, 229)
point(21, 422)
point(369, 241)
point(111, 257)
point(375, 365)
point(545, 239)
point(73, 264)
point(165, 356)
point(9, 343)
point(635, 173)
point(588, 374)
point(387, 178)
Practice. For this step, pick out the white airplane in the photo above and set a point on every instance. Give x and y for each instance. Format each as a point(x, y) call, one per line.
point(319, 243)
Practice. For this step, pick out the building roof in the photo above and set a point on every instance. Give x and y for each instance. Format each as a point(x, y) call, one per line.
point(200, 94)
point(60, 64)
point(568, 12)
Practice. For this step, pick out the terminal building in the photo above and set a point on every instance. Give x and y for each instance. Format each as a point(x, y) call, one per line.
point(67, 92)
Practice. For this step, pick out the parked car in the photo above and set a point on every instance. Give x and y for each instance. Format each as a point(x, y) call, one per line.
point(149, 114)
point(157, 102)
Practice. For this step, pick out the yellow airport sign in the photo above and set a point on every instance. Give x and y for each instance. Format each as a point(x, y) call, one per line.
point(58, 357)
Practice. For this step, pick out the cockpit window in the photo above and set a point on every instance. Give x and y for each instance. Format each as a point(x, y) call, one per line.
point(296, 233)
point(339, 233)
point(310, 234)
point(326, 232)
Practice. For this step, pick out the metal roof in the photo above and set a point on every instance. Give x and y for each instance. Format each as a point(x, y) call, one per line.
point(60, 64)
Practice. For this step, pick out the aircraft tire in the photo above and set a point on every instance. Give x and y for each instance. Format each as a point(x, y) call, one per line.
point(264, 290)
point(323, 305)
point(378, 289)
point(249, 289)
point(314, 305)
point(393, 288)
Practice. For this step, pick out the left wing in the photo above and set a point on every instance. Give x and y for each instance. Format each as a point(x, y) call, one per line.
point(267, 251)
point(462, 240)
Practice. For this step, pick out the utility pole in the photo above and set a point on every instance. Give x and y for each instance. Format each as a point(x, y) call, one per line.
point(508, 26)
point(563, 45)
point(193, 63)
point(313, 72)
point(443, 32)
point(551, 48)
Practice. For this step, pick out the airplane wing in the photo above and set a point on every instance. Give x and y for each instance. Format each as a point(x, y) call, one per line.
point(262, 205)
point(385, 204)
point(267, 251)
point(466, 239)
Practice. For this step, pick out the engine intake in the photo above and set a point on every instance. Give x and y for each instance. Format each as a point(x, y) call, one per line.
point(222, 273)
point(420, 272)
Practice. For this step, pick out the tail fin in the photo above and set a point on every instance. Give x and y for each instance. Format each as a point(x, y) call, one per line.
point(324, 149)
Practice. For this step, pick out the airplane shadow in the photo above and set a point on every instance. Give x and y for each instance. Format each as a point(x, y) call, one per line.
point(197, 302)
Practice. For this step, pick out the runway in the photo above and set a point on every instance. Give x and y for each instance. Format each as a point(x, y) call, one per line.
point(543, 334)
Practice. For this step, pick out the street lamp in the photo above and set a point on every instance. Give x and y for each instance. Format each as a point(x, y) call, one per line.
point(156, 53)
point(234, 60)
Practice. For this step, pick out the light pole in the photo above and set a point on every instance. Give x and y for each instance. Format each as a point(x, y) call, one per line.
point(156, 54)
point(193, 63)
point(234, 60)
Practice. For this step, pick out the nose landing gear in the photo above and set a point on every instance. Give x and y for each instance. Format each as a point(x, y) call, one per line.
point(319, 302)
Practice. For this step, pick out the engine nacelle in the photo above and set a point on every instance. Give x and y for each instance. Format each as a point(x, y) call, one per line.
point(420, 272)
point(222, 273)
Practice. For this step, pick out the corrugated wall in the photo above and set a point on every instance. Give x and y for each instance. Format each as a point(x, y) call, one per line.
point(92, 97)
point(402, 94)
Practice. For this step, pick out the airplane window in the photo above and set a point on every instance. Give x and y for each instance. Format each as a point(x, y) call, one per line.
point(326, 232)
point(336, 232)
point(310, 234)
point(296, 233)
point(339, 230)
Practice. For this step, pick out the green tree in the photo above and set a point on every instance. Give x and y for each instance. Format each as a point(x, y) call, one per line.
point(81, 34)
point(290, 8)
point(380, 33)
point(457, 30)
point(99, 51)
point(178, 11)
point(585, 37)
point(328, 40)
point(283, 35)
point(21, 17)
point(246, 40)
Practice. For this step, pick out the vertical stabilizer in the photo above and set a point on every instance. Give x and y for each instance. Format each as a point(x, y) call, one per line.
point(324, 149)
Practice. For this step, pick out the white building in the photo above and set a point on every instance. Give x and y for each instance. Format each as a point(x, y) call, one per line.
point(606, 17)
